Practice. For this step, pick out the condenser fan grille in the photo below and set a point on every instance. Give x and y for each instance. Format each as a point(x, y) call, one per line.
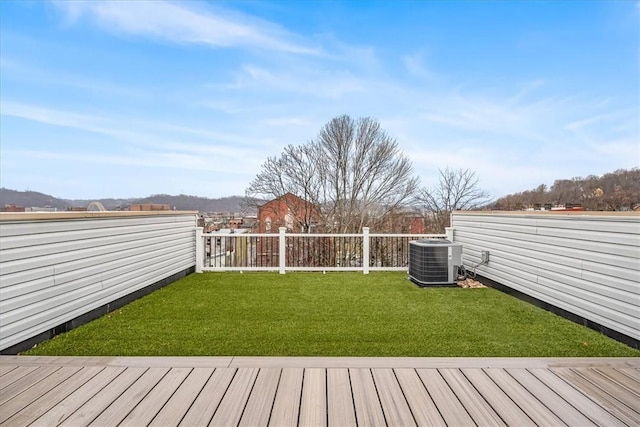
point(434, 261)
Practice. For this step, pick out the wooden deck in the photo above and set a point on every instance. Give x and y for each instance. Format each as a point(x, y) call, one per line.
point(261, 391)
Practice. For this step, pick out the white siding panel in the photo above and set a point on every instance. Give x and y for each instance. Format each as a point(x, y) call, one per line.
point(606, 224)
point(587, 309)
point(45, 226)
point(616, 257)
point(61, 310)
point(76, 279)
point(588, 265)
point(592, 236)
point(627, 274)
point(31, 240)
point(53, 271)
point(9, 279)
point(556, 245)
point(60, 247)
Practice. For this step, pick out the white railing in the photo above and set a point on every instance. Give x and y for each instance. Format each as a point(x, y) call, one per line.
point(284, 251)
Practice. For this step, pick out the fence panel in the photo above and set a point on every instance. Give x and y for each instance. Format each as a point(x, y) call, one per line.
point(308, 252)
point(241, 252)
point(586, 263)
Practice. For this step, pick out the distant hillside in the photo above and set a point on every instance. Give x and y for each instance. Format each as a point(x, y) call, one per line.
point(31, 199)
point(194, 203)
point(615, 191)
point(232, 204)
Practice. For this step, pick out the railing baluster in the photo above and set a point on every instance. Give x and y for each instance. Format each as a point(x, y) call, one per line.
point(296, 251)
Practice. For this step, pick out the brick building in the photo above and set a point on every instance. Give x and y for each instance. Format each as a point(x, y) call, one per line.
point(290, 211)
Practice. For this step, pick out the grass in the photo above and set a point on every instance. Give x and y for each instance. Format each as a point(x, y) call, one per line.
point(334, 314)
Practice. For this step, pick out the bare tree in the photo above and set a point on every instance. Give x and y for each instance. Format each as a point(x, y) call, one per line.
point(353, 174)
point(621, 189)
point(456, 189)
point(295, 172)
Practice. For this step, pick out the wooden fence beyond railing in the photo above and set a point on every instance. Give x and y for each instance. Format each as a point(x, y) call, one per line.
point(306, 252)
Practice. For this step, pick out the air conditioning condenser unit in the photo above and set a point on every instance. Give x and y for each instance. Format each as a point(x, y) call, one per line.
point(434, 262)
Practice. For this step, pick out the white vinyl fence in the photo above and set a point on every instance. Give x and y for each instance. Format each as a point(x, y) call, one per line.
point(587, 264)
point(284, 251)
point(58, 270)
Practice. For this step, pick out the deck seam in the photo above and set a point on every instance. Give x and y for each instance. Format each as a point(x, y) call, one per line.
point(274, 398)
point(426, 389)
point(375, 386)
point(404, 396)
point(460, 400)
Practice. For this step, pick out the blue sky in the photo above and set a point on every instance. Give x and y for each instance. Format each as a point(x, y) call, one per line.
point(131, 98)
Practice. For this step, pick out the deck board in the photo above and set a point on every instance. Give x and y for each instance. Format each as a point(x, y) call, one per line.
point(340, 409)
point(365, 398)
point(53, 397)
point(5, 369)
point(598, 414)
point(445, 399)
point(621, 379)
point(130, 398)
point(632, 373)
point(501, 402)
point(564, 410)
point(153, 402)
point(72, 402)
point(14, 374)
point(424, 410)
point(25, 382)
point(528, 403)
point(313, 403)
point(599, 393)
point(179, 403)
point(286, 406)
point(632, 400)
point(394, 405)
point(191, 391)
point(104, 398)
point(235, 399)
point(478, 408)
point(206, 404)
point(258, 409)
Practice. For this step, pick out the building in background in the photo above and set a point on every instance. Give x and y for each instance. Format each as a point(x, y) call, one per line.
point(149, 207)
point(289, 211)
point(12, 208)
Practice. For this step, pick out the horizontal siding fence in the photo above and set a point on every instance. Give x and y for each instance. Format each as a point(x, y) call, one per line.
point(307, 252)
point(56, 268)
point(585, 264)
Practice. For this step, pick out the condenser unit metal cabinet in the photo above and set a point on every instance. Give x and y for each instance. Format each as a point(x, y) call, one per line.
point(434, 262)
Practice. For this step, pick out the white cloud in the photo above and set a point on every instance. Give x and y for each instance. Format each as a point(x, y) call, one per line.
point(623, 120)
point(28, 72)
point(305, 80)
point(143, 143)
point(181, 22)
point(286, 121)
point(181, 159)
point(514, 143)
point(415, 65)
point(65, 119)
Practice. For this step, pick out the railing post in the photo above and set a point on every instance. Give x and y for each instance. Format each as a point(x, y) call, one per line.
point(449, 233)
point(365, 250)
point(199, 250)
point(282, 246)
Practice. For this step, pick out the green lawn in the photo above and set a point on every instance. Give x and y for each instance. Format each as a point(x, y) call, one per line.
point(334, 314)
